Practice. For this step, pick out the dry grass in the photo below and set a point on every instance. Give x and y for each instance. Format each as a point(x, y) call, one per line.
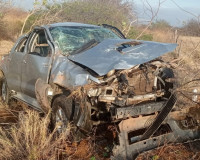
point(14, 19)
point(163, 36)
point(29, 139)
point(15, 14)
point(186, 58)
point(171, 152)
point(188, 55)
point(5, 46)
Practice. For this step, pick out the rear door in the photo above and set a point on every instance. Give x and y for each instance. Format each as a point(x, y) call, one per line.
point(13, 76)
point(35, 62)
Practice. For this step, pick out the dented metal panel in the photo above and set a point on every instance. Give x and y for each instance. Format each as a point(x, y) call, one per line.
point(136, 110)
point(106, 56)
point(130, 146)
point(69, 75)
point(41, 89)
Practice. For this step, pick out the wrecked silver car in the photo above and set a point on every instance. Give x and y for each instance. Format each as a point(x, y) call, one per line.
point(89, 75)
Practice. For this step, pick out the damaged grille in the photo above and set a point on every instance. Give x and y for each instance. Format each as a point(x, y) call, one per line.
point(141, 90)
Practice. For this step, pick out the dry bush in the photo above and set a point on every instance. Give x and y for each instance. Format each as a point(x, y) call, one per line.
point(187, 69)
point(116, 12)
point(11, 20)
point(14, 18)
point(186, 58)
point(163, 36)
point(30, 139)
point(4, 32)
point(3, 29)
point(191, 27)
point(5, 46)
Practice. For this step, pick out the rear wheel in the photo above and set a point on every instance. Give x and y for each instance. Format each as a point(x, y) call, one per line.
point(4, 91)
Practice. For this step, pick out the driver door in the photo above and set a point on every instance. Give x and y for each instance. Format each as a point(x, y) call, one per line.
point(36, 62)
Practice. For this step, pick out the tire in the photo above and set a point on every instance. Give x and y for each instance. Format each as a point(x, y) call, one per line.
point(75, 123)
point(61, 116)
point(4, 92)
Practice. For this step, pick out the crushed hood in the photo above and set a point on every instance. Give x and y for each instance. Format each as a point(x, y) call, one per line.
point(106, 56)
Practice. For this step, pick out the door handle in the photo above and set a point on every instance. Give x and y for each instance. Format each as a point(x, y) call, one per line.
point(24, 61)
point(45, 64)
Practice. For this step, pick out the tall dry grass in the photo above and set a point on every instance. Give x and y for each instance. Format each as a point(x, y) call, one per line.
point(187, 70)
point(166, 36)
point(30, 139)
point(5, 47)
point(186, 59)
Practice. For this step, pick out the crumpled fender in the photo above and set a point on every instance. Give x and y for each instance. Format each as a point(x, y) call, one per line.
point(41, 95)
point(69, 75)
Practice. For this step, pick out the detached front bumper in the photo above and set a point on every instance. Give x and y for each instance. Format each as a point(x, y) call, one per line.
point(179, 126)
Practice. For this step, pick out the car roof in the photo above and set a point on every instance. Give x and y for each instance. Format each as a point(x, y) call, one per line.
point(70, 24)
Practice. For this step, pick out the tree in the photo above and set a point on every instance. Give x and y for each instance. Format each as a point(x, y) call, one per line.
point(161, 25)
point(114, 12)
point(191, 28)
point(4, 32)
point(37, 7)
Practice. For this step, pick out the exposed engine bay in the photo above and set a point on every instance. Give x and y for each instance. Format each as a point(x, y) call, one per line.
point(140, 102)
point(124, 90)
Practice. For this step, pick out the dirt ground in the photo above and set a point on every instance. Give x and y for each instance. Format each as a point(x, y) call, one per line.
point(173, 152)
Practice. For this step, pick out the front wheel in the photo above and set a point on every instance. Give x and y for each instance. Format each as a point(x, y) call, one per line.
point(61, 116)
point(67, 116)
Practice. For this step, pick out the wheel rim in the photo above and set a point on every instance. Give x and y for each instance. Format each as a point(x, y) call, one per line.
point(61, 120)
point(4, 91)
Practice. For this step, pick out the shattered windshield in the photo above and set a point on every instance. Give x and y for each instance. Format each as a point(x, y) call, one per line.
point(73, 40)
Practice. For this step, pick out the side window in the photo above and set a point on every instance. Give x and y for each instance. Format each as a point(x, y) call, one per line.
point(21, 45)
point(38, 44)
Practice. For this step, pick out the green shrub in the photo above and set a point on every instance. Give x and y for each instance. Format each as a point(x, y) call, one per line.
point(146, 37)
point(134, 33)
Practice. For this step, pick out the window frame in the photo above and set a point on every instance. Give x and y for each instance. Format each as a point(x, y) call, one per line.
point(23, 41)
point(33, 38)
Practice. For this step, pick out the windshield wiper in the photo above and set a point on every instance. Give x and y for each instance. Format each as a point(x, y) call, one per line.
point(86, 46)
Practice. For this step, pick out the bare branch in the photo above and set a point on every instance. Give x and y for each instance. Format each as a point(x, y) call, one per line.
point(153, 15)
point(185, 10)
point(27, 17)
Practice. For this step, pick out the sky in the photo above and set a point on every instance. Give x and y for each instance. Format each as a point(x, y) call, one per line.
point(25, 4)
point(168, 11)
point(173, 11)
